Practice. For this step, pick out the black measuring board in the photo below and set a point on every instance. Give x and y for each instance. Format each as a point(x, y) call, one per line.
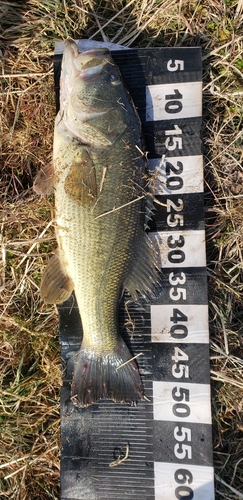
point(168, 438)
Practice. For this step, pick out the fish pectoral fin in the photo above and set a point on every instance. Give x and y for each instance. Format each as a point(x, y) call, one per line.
point(80, 184)
point(144, 277)
point(110, 375)
point(56, 286)
point(45, 180)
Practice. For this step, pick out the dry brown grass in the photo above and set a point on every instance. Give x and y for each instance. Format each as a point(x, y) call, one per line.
point(30, 362)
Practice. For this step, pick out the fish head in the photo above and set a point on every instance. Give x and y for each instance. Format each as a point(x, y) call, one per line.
point(94, 105)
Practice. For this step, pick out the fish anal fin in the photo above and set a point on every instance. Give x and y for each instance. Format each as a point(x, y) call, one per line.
point(45, 180)
point(56, 286)
point(80, 184)
point(144, 276)
point(110, 375)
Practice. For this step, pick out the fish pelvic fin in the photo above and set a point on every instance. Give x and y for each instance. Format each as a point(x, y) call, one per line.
point(110, 375)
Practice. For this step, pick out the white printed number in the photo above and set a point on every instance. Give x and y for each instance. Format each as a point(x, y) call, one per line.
point(172, 141)
point(182, 450)
point(175, 65)
point(177, 293)
point(179, 369)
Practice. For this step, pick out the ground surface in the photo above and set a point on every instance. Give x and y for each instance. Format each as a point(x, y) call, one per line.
point(29, 355)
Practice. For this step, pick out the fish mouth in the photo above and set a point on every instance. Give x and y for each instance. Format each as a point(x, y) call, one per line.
point(87, 65)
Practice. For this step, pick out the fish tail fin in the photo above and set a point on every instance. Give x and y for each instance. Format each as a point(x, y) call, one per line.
point(110, 375)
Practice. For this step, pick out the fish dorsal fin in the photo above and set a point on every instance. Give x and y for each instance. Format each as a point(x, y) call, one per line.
point(144, 277)
point(80, 184)
point(45, 179)
point(56, 286)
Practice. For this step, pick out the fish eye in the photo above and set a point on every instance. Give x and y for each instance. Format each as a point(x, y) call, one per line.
point(114, 78)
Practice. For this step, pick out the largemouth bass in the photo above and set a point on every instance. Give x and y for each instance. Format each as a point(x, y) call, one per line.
point(99, 180)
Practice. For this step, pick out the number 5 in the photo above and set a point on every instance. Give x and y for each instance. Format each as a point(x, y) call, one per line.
point(182, 451)
point(175, 64)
